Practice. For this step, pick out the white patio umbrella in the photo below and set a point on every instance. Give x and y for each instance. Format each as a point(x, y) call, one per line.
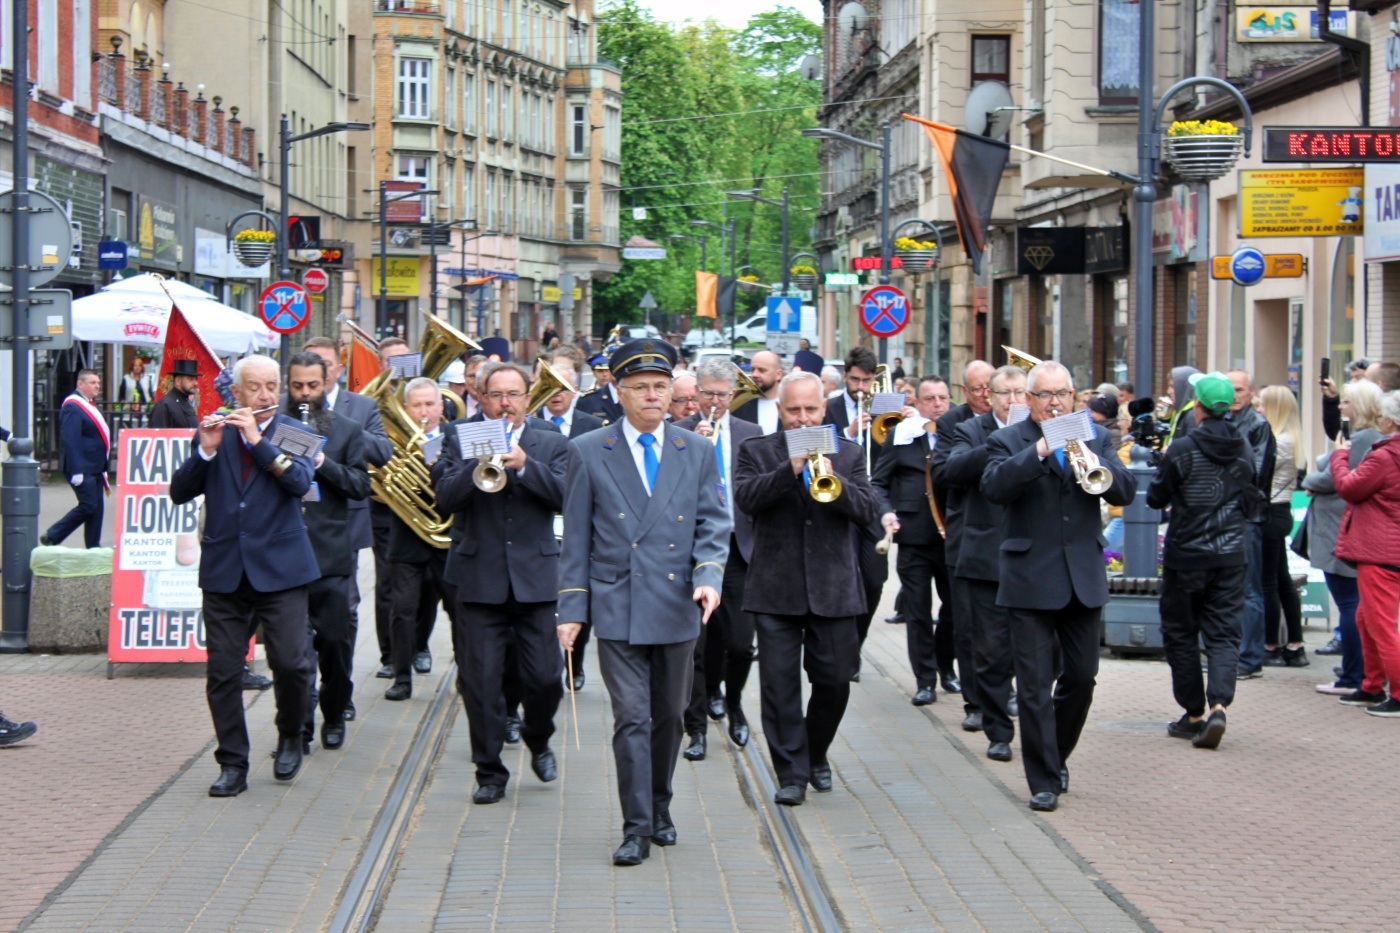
point(135, 312)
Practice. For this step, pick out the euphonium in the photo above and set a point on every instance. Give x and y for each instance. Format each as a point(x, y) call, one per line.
point(826, 486)
point(549, 384)
point(1020, 360)
point(1093, 480)
point(745, 389)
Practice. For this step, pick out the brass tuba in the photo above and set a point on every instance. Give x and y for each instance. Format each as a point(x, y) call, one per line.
point(405, 483)
point(745, 389)
point(1020, 360)
point(549, 384)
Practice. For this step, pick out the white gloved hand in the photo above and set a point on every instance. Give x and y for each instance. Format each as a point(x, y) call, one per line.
point(76, 479)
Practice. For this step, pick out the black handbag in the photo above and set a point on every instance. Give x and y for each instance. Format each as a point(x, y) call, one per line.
point(1300, 540)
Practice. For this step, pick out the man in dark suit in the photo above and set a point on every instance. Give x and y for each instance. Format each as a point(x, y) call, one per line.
point(85, 443)
point(255, 565)
point(602, 401)
point(378, 450)
point(176, 407)
point(417, 567)
point(724, 653)
point(1051, 574)
point(341, 477)
point(952, 639)
point(903, 478)
point(506, 564)
point(805, 608)
point(766, 371)
point(976, 570)
point(638, 573)
point(849, 412)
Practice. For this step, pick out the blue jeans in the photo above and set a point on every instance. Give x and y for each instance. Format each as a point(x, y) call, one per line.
point(1252, 627)
point(1114, 534)
point(1346, 596)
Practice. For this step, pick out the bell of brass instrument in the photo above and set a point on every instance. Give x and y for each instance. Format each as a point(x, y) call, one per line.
point(882, 425)
point(1020, 360)
point(1093, 480)
point(405, 483)
point(549, 384)
point(489, 475)
point(826, 486)
point(745, 389)
point(882, 547)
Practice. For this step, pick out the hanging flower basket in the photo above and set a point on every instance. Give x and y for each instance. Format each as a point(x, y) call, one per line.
point(915, 261)
point(749, 283)
point(804, 280)
point(251, 252)
point(1202, 151)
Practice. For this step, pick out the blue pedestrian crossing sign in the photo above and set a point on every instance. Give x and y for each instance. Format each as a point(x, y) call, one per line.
point(785, 314)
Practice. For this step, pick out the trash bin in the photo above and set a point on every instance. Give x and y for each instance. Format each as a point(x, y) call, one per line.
point(71, 599)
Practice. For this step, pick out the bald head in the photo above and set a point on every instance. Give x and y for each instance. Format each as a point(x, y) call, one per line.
point(766, 369)
point(977, 385)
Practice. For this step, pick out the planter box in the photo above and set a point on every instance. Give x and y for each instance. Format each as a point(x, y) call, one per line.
point(1202, 158)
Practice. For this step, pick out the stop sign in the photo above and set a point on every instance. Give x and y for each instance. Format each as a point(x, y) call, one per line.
point(315, 280)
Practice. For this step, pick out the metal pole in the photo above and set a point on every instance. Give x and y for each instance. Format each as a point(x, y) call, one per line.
point(704, 255)
point(884, 222)
point(383, 311)
point(1143, 196)
point(787, 270)
point(734, 286)
point(284, 146)
point(20, 500)
point(432, 266)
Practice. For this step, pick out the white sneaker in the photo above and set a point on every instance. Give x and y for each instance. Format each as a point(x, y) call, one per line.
point(1333, 690)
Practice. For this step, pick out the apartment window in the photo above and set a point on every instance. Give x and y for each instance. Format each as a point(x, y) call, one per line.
point(116, 222)
point(449, 98)
point(413, 168)
point(536, 125)
point(507, 113)
point(48, 46)
point(506, 22)
point(488, 19)
point(578, 129)
point(469, 102)
point(449, 187)
point(578, 214)
point(1118, 52)
point(612, 207)
point(991, 59)
point(612, 133)
point(507, 204)
point(578, 41)
point(413, 85)
point(468, 16)
point(490, 200)
point(491, 108)
point(526, 40)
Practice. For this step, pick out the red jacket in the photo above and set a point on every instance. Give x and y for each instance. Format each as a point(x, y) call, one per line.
point(1370, 531)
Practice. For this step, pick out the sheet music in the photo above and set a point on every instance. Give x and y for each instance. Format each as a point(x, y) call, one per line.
point(296, 441)
point(1017, 414)
point(406, 365)
point(1077, 426)
point(432, 449)
point(884, 402)
point(820, 439)
point(481, 439)
point(313, 494)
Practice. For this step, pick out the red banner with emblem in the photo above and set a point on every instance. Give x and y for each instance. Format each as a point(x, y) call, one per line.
point(182, 342)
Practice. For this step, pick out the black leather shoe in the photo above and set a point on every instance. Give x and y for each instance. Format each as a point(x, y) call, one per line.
point(253, 681)
point(332, 734)
point(545, 766)
point(349, 714)
point(821, 778)
point(895, 619)
point(578, 681)
point(1045, 802)
point(1064, 780)
point(695, 751)
point(716, 708)
point(633, 851)
point(423, 662)
point(791, 795)
point(855, 678)
point(488, 793)
point(231, 783)
point(738, 727)
point(924, 696)
point(512, 730)
point(385, 672)
point(999, 751)
point(399, 692)
point(950, 682)
point(663, 831)
point(288, 761)
point(972, 722)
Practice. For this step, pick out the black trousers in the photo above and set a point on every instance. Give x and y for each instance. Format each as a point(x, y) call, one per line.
point(724, 652)
point(1053, 711)
point(230, 619)
point(1279, 591)
point(989, 628)
point(414, 586)
point(330, 648)
point(916, 566)
point(581, 644)
point(649, 686)
point(828, 649)
point(483, 635)
point(1202, 607)
point(383, 583)
point(88, 513)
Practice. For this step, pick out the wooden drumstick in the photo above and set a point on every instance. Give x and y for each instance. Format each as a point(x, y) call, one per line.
point(573, 701)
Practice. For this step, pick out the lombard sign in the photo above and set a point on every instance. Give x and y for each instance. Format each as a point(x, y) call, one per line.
point(1382, 195)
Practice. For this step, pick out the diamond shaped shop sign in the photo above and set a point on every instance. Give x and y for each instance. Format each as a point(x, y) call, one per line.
point(1039, 256)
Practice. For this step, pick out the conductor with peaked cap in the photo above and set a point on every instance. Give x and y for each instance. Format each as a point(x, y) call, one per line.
point(176, 407)
point(603, 401)
point(646, 537)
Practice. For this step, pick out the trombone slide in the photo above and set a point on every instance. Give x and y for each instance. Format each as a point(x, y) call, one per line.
point(882, 547)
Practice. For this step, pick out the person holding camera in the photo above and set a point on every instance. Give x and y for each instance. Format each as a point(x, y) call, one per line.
point(1207, 477)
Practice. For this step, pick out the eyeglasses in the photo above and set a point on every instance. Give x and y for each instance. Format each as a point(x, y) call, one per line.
point(1005, 392)
point(716, 396)
point(1061, 395)
point(502, 396)
point(976, 390)
point(680, 400)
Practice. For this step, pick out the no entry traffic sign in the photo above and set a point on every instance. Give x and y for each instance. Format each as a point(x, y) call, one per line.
point(284, 307)
point(884, 311)
point(315, 280)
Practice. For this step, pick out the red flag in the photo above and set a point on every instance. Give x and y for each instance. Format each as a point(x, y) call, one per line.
point(182, 342)
point(361, 358)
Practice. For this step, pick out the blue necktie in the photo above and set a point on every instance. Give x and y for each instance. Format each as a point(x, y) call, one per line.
point(807, 475)
point(1060, 457)
point(649, 459)
point(719, 456)
point(558, 419)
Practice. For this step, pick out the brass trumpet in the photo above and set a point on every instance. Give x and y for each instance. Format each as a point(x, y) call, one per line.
point(826, 486)
point(1093, 480)
point(490, 475)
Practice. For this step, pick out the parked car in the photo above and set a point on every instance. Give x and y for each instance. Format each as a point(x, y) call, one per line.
point(739, 356)
point(705, 338)
point(637, 331)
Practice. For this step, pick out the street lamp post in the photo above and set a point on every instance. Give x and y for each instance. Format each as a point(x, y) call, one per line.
point(783, 205)
point(701, 239)
point(285, 141)
point(382, 312)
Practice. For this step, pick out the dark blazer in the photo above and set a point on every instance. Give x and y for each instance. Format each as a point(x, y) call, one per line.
point(582, 423)
point(378, 450)
point(599, 403)
point(1051, 547)
point(503, 542)
point(965, 459)
point(740, 431)
point(805, 559)
point(254, 527)
point(874, 568)
point(82, 449)
point(341, 478)
point(899, 478)
point(747, 411)
point(174, 410)
point(950, 498)
point(455, 532)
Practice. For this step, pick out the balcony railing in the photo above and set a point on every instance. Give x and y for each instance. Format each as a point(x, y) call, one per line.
point(421, 7)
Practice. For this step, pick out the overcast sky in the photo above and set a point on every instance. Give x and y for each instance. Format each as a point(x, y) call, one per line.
point(734, 13)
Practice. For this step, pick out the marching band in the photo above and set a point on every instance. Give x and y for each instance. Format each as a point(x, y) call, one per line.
point(689, 526)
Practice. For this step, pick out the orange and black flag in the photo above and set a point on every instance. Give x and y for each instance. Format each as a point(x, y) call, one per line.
point(974, 165)
point(706, 294)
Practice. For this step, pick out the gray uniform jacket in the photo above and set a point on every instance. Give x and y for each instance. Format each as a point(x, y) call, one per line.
point(631, 561)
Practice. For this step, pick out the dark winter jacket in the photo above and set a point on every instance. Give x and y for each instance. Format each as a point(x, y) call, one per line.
point(1206, 477)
